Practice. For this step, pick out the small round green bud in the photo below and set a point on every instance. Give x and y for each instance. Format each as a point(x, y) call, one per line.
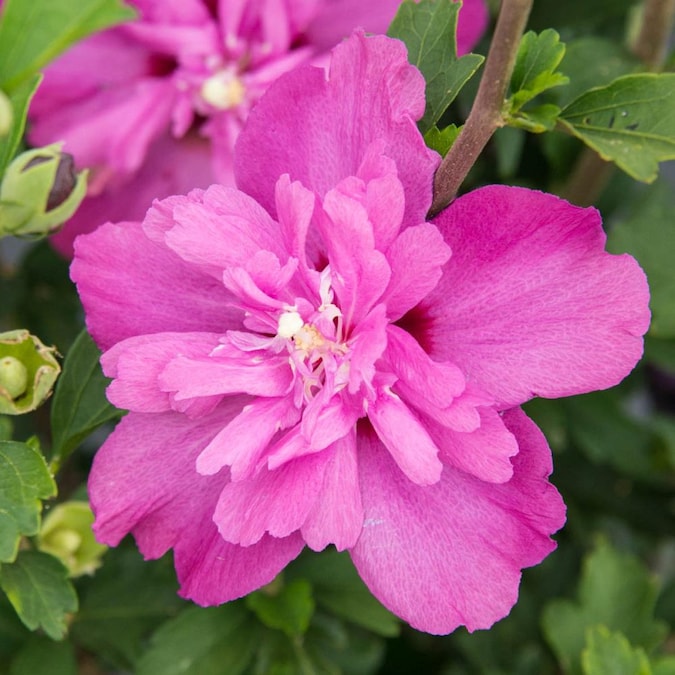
point(66, 533)
point(13, 377)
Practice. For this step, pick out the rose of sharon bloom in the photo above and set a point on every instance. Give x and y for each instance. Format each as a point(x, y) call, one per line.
point(154, 107)
point(308, 362)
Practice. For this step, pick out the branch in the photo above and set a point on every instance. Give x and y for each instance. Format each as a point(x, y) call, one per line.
point(486, 114)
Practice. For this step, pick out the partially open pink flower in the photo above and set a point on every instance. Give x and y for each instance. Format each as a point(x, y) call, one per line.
point(154, 107)
point(308, 362)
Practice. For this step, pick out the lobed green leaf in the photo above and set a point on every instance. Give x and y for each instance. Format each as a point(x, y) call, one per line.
point(38, 587)
point(290, 608)
point(608, 652)
point(616, 591)
point(24, 481)
point(630, 122)
point(429, 29)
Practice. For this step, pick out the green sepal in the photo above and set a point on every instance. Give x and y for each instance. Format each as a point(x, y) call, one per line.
point(24, 357)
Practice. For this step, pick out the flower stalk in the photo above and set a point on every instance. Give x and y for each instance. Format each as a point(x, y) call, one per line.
point(486, 114)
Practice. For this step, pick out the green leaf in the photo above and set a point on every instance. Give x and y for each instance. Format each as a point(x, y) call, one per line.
point(208, 641)
point(648, 234)
point(20, 100)
point(428, 28)
point(339, 589)
point(289, 608)
point(593, 62)
point(42, 656)
point(616, 591)
point(630, 122)
point(33, 33)
point(80, 405)
point(606, 434)
point(608, 652)
point(37, 585)
point(123, 603)
point(24, 481)
point(441, 140)
point(535, 70)
point(536, 120)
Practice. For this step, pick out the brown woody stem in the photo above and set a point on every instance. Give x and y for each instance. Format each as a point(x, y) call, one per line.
point(486, 114)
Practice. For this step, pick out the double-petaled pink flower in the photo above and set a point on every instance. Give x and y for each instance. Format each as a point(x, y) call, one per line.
point(308, 362)
point(154, 107)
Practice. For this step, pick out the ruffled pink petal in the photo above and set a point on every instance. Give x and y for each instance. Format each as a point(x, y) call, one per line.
point(120, 274)
point(450, 554)
point(405, 438)
point(171, 167)
point(416, 258)
point(339, 122)
point(185, 12)
point(337, 515)
point(215, 229)
point(360, 273)
point(193, 377)
point(241, 443)
point(137, 362)
point(419, 376)
point(530, 303)
point(485, 452)
point(276, 502)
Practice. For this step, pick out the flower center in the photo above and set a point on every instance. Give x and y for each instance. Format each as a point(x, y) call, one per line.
point(223, 90)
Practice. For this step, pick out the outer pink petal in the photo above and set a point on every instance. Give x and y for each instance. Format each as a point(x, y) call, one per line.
point(530, 303)
point(319, 131)
point(121, 275)
point(166, 494)
point(169, 505)
point(450, 554)
point(170, 167)
point(137, 362)
point(472, 22)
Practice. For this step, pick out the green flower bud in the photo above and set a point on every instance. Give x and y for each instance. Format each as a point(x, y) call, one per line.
point(13, 377)
point(40, 191)
point(66, 533)
point(28, 371)
point(5, 114)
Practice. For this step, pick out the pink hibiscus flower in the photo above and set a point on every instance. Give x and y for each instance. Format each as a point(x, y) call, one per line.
point(308, 362)
point(154, 107)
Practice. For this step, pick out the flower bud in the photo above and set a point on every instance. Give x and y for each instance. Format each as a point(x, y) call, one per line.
point(28, 371)
point(5, 114)
point(66, 533)
point(40, 190)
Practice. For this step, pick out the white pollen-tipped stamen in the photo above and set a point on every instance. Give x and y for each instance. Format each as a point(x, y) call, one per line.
point(223, 90)
point(289, 324)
